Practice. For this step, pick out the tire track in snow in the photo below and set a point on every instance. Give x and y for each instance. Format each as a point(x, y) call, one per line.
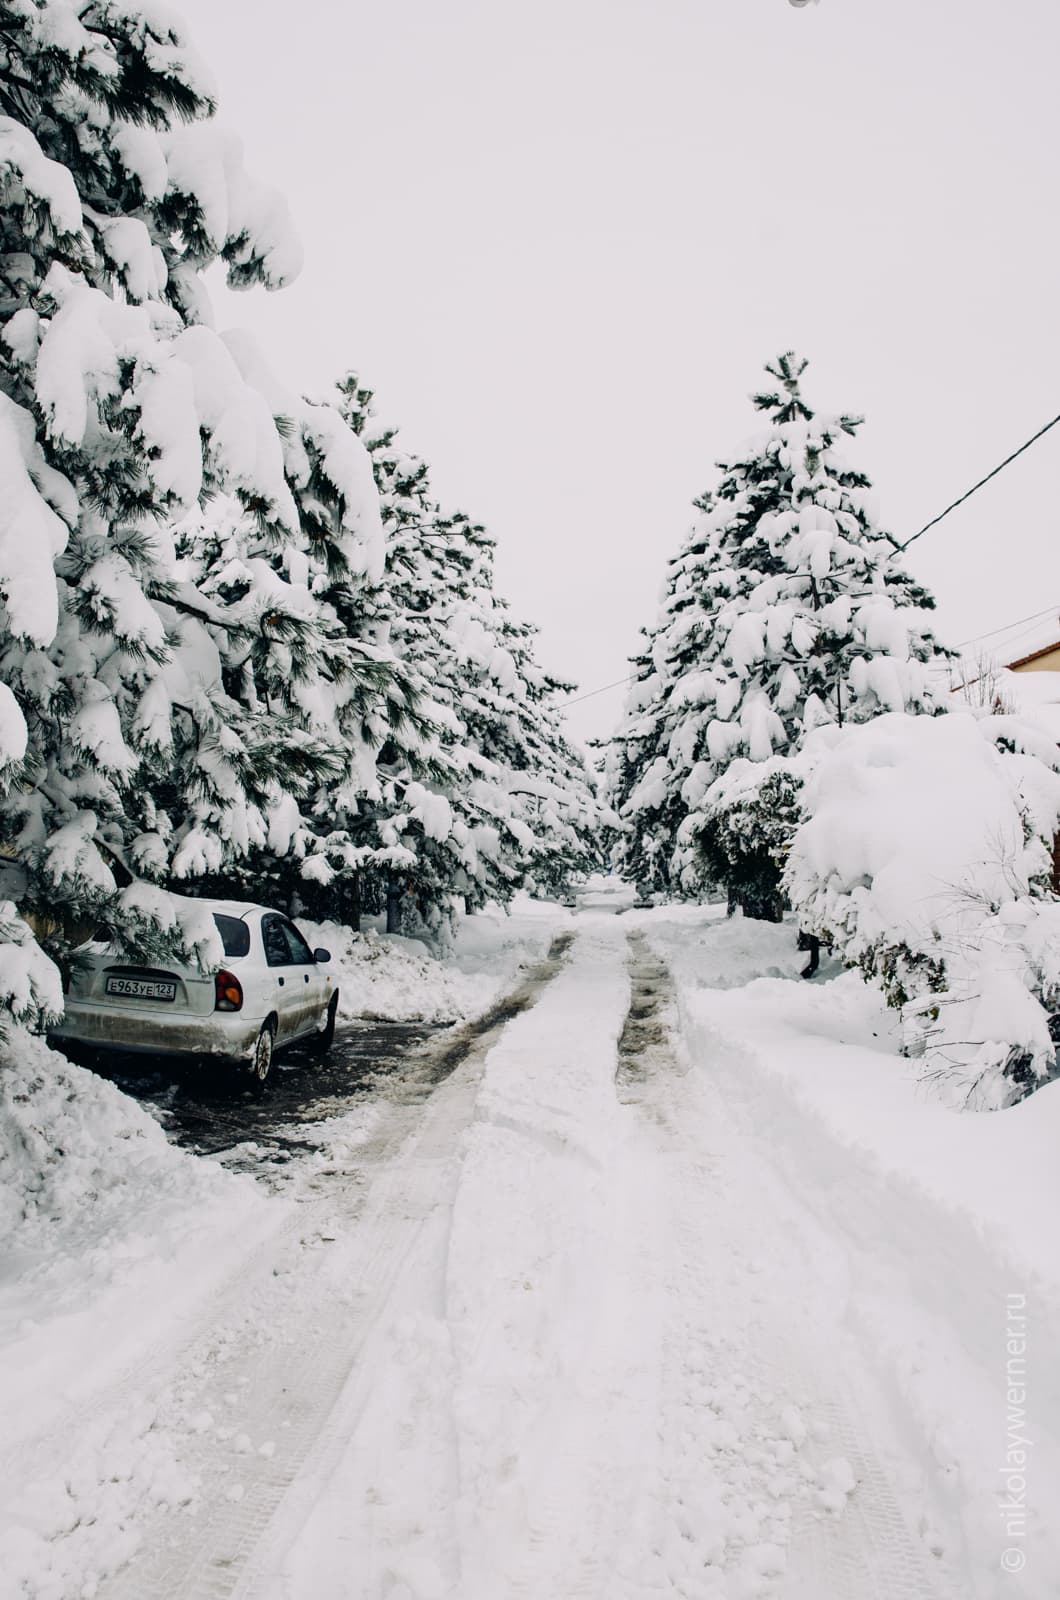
point(645, 1043)
point(602, 1377)
point(465, 1458)
point(554, 1330)
point(764, 1405)
point(272, 1389)
point(256, 1399)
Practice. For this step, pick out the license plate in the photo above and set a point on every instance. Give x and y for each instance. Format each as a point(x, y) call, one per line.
point(142, 988)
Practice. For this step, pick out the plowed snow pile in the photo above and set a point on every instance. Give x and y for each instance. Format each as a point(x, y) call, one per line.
point(80, 1161)
point(383, 977)
point(110, 1237)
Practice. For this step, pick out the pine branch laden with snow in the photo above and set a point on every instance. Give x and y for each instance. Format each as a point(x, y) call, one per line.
point(450, 781)
point(121, 410)
point(925, 860)
point(475, 791)
point(754, 808)
point(521, 802)
point(785, 611)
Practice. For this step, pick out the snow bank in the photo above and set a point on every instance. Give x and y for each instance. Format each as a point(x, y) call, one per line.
point(94, 1203)
point(943, 1222)
point(111, 1240)
point(925, 860)
point(79, 1160)
point(833, 1046)
point(98, 1215)
point(384, 977)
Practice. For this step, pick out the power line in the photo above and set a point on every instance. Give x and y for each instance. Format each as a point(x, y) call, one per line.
point(1035, 617)
point(899, 548)
point(594, 692)
point(976, 486)
point(1019, 641)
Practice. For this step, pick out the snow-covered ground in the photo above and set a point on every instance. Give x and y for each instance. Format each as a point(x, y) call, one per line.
point(396, 979)
point(942, 1258)
point(112, 1240)
point(117, 1250)
point(680, 1284)
point(694, 1339)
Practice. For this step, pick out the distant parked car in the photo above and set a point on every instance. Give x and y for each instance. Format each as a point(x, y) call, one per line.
point(271, 991)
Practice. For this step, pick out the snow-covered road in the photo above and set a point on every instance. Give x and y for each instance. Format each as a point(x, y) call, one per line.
point(611, 1373)
point(566, 1330)
point(569, 1346)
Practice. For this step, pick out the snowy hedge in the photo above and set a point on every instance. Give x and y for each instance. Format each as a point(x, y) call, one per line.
point(925, 860)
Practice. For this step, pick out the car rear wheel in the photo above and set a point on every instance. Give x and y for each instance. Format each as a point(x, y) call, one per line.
point(326, 1037)
point(261, 1060)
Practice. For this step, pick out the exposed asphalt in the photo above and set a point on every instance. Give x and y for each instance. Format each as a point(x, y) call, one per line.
point(212, 1107)
point(215, 1109)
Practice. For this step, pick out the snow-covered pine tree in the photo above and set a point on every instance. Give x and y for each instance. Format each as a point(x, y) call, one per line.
point(636, 768)
point(786, 609)
point(359, 840)
point(391, 844)
point(504, 802)
point(551, 781)
point(120, 408)
point(417, 816)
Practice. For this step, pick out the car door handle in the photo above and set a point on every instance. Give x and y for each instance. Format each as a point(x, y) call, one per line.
point(307, 977)
point(280, 982)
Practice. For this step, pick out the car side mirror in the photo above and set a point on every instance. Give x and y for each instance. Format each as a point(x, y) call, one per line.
point(322, 956)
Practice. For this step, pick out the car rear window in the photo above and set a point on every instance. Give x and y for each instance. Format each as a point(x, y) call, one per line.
point(235, 935)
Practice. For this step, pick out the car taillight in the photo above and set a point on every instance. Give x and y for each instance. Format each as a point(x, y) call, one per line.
point(228, 992)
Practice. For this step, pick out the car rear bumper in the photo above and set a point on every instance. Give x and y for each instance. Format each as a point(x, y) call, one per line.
point(230, 1036)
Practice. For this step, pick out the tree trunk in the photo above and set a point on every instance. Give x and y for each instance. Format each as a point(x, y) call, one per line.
point(810, 942)
point(393, 906)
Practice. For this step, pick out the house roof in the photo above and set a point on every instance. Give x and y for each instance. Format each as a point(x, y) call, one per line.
point(1035, 655)
point(1034, 697)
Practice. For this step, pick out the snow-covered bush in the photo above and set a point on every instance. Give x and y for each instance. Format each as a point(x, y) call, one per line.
point(743, 831)
point(925, 860)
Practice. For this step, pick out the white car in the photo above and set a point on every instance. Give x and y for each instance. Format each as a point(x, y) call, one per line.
point(272, 990)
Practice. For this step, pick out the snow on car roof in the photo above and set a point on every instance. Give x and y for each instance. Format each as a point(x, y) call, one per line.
point(231, 908)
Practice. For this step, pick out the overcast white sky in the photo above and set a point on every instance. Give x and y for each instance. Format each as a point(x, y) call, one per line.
point(560, 239)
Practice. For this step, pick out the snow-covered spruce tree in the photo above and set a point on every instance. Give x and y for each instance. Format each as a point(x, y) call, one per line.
point(391, 845)
point(416, 817)
point(550, 781)
point(786, 610)
point(501, 801)
point(120, 409)
point(636, 771)
point(349, 687)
